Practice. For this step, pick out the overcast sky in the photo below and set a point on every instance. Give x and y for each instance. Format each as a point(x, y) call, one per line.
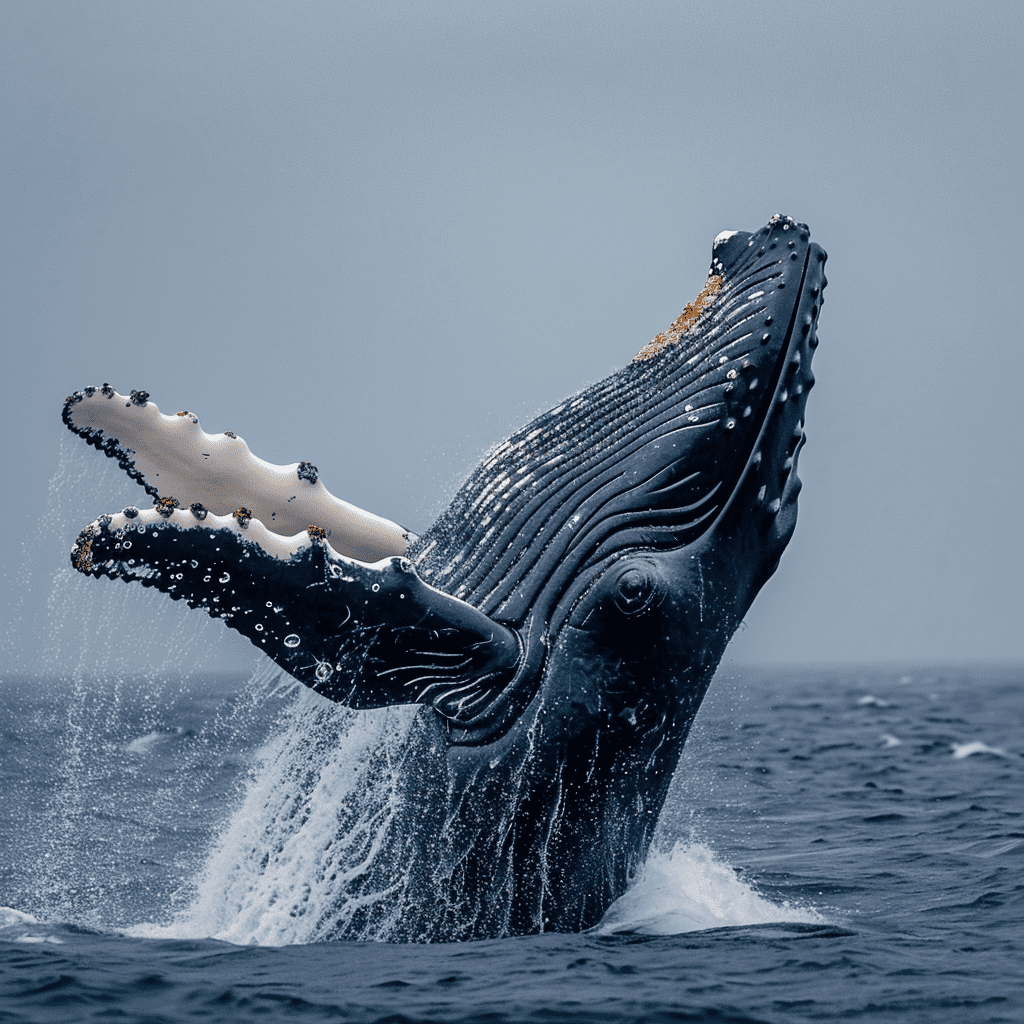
point(380, 236)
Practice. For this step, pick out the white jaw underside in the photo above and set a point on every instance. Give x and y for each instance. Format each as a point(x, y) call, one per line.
point(175, 457)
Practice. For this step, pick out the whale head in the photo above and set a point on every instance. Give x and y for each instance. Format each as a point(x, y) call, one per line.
point(629, 528)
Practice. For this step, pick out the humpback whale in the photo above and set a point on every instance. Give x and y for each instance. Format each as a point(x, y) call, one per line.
point(558, 625)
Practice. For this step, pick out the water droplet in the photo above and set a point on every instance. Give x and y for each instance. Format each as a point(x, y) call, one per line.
point(206, 579)
point(291, 640)
point(259, 627)
point(127, 544)
point(375, 587)
point(270, 604)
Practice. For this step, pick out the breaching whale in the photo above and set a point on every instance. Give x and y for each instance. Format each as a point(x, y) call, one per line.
point(559, 623)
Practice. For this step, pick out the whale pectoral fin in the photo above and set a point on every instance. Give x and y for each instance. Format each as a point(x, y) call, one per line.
point(174, 459)
point(363, 635)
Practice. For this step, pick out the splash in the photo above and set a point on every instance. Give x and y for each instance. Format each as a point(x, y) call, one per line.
point(688, 889)
point(16, 926)
point(294, 864)
point(320, 847)
point(300, 859)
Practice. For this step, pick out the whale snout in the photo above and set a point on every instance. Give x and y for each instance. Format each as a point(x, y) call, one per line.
point(785, 329)
point(784, 434)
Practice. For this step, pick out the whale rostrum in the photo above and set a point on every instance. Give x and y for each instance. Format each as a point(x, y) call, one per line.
point(558, 624)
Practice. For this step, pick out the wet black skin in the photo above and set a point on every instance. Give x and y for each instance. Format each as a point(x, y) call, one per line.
point(561, 649)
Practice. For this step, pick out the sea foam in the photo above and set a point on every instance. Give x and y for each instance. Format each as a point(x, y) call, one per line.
point(689, 889)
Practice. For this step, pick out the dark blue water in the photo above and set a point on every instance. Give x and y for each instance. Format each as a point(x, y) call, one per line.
point(838, 844)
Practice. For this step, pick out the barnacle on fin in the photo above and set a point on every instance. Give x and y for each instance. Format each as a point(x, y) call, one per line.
point(165, 506)
point(82, 554)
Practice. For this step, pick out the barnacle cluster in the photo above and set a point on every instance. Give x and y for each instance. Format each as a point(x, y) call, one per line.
point(689, 316)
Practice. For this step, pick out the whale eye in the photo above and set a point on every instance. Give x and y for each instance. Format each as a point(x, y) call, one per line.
point(635, 589)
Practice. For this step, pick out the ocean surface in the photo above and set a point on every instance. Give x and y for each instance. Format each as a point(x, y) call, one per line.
point(841, 843)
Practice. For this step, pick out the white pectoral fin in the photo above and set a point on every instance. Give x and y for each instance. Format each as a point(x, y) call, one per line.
point(176, 461)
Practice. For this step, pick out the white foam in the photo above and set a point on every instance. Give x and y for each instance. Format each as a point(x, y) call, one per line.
point(9, 917)
point(962, 750)
point(278, 874)
point(689, 889)
point(144, 744)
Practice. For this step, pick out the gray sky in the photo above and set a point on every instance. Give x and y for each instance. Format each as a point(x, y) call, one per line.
point(381, 236)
